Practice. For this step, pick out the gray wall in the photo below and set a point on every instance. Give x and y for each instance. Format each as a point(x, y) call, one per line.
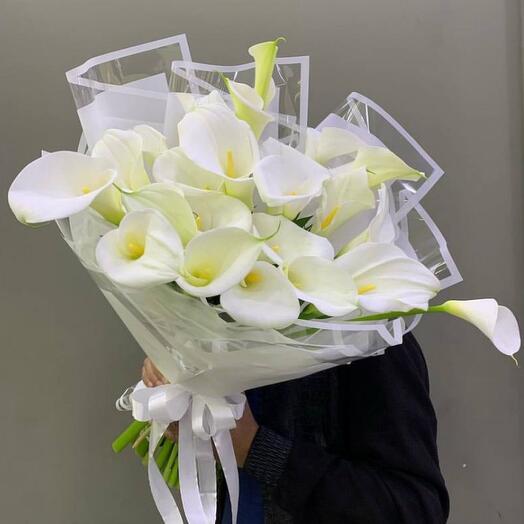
point(448, 69)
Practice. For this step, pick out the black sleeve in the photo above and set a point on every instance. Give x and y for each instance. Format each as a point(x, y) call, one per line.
point(391, 474)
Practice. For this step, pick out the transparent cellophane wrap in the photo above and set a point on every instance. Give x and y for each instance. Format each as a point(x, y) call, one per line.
point(191, 341)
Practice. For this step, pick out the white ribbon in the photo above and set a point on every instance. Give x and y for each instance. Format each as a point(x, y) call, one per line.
point(201, 421)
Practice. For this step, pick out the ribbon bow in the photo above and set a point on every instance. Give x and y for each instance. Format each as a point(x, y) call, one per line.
point(202, 421)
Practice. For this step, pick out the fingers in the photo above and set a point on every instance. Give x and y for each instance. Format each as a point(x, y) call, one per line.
point(151, 376)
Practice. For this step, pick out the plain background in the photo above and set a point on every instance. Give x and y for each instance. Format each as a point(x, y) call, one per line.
point(449, 70)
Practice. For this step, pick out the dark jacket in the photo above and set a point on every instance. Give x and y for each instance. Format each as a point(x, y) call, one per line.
point(355, 444)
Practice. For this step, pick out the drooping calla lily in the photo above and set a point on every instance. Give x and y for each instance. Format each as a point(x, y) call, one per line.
point(213, 210)
point(58, 185)
point(153, 143)
point(175, 167)
point(387, 279)
point(497, 322)
point(290, 240)
point(217, 141)
point(324, 284)
point(217, 260)
point(144, 251)
point(331, 142)
point(170, 201)
point(383, 165)
point(288, 181)
point(345, 195)
point(249, 106)
point(264, 299)
point(264, 55)
point(381, 228)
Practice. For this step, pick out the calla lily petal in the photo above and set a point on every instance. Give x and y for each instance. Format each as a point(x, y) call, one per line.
point(249, 106)
point(215, 210)
point(344, 195)
point(170, 201)
point(330, 143)
point(289, 180)
point(241, 188)
point(264, 299)
point(264, 54)
point(383, 165)
point(497, 322)
point(217, 260)
point(58, 185)
point(217, 141)
point(289, 241)
point(174, 166)
point(153, 142)
point(144, 251)
point(325, 285)
point(123, 148)
point(387, 279)
point(381, 229)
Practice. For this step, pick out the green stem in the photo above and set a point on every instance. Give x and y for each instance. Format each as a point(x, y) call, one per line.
point(173, 476)
point(397, 314)
point(130, 434)
point(171, 462)
point(142, 448)
point(163, 454)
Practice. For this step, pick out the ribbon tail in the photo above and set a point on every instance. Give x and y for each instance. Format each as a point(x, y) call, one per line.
point(188, 476)
point(162, 496)
point(226, 454)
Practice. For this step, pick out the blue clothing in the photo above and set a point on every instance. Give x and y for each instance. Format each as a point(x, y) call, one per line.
point(250, 504)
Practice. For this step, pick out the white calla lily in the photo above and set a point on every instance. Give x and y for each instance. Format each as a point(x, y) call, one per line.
point(383, 165)
point(174, 166)
point(290, 240)
point(497, 322)
point(324, 284)
point(329, 143)
point(153, 142)
point(58, 185)
point(123, 148)
point(344, 195)
point(264, 299)
point(170, 201)
point(217, 260)
point(387, 279)
point(215, 210)
point(288, 181)
point(249, 106)
point(381, 228)
point(144, 251)
point(218, 142)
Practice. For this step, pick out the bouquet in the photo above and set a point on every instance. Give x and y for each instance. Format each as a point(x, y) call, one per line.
point(239, 246)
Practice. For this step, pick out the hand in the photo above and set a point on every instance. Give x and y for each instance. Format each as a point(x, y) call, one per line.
point(242, 435)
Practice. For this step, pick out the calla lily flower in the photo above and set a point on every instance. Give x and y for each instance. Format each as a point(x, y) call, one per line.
point(144, 251)
point(218, 142)
point(58, 185)
point(331, 142)
point(153, 143)
point(497, 322)
point(383, 165)
point(387, 279)
point(217, 260)
point(324, 284)
point(381, 228)
point(264, 55)
point(264, 299)
point(170, 201)
point(289, 181)
point(174, 166)
point(123, 148)
point(214, 210)
point(344, 195)
point(289, 241)
point(249, 106)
